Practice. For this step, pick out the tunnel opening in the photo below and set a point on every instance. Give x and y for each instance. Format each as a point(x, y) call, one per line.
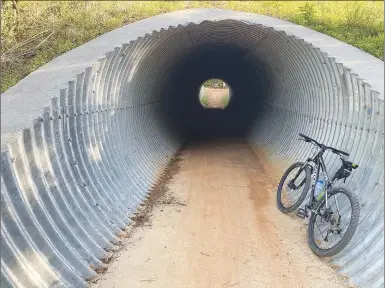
point(206, 61)
point(105, 138)
point(214, 94)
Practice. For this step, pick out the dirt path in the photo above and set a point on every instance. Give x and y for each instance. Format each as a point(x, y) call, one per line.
point(218, 226)
point(215, 97)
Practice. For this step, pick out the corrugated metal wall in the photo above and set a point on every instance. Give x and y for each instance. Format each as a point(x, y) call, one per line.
point(71, 179)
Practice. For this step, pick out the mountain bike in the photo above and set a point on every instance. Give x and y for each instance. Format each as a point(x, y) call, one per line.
point(334, 208)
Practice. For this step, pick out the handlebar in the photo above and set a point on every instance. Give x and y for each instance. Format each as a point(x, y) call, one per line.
point(322, 146)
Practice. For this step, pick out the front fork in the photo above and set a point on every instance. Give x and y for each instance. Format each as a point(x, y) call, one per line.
point(291, 185)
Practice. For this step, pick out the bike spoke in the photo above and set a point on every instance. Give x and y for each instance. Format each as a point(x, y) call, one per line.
point(320, 230)
point(338, 208)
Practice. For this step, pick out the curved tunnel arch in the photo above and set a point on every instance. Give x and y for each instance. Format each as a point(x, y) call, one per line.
point(72, 180)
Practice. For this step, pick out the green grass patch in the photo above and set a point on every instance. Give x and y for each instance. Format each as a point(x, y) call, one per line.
point(35, 32)
point(204, 100)
point(225, 100)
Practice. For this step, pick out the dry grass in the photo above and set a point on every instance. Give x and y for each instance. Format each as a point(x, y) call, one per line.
point(38, 31)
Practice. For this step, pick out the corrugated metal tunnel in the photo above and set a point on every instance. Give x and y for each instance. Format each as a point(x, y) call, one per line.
point(71, 180)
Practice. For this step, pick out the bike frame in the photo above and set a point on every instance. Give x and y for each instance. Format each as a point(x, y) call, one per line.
point(319, 164)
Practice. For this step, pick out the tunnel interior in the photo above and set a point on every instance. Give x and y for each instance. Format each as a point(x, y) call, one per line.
point(92, 157)
point(227, 62)
point(178, 81)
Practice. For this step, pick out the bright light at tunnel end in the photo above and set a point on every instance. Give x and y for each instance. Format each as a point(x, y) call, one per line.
point(214, 94)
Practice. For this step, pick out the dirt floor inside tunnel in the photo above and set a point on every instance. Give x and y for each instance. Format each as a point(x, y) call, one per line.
point(214, 223)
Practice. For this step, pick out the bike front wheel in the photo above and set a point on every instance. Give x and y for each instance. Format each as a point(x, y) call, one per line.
point(331, 228)
point(293, 187)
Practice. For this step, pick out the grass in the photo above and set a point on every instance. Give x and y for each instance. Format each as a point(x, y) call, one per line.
point(35, 32)
point(225, 100)
point(204, 100)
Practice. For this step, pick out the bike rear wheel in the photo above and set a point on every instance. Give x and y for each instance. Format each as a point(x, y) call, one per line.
point(290, 195)
point(330, 230)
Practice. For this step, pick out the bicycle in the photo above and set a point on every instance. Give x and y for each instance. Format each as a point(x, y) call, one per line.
point(328, 206)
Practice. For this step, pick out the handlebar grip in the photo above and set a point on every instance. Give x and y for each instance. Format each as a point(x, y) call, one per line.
point(307, 138)
point(339, 151)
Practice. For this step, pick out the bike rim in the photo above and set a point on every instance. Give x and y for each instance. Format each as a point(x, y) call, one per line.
point(330, 227)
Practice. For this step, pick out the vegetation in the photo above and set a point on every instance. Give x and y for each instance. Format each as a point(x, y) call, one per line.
point(225, 100)
point(214, 82)
point(35, 32)
point(204, 100)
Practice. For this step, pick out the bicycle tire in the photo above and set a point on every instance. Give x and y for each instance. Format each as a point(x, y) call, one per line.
point(355, 216)
point(306, 187)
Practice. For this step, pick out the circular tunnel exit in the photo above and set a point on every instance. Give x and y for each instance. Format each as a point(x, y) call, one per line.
point(214, 94)
point(206, 61)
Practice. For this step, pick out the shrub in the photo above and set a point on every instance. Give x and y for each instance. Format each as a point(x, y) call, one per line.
point(307, 13)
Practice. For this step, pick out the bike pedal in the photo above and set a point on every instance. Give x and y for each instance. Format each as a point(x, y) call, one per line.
point(302, 213)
